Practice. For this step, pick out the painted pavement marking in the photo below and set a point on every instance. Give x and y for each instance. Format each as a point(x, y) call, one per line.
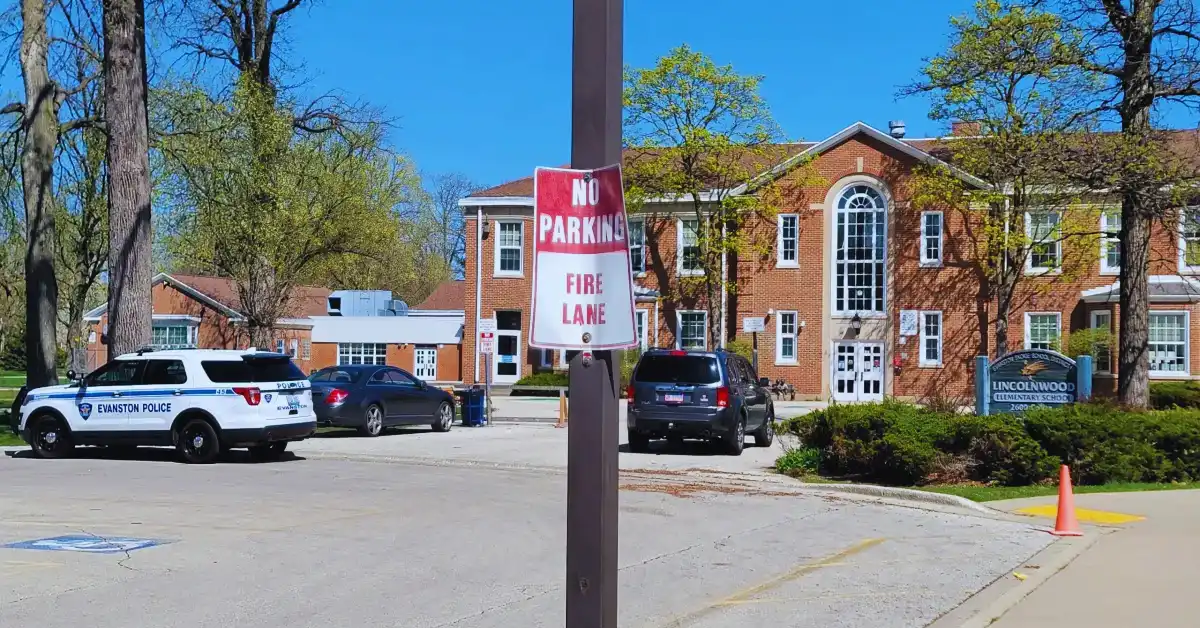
point(1101, 517)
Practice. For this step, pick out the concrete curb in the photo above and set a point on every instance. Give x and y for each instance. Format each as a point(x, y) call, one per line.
point(1006, 592)
point(908, 495)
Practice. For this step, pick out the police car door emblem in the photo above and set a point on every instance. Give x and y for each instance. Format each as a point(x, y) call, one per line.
point(85, 410)
point(267, 398)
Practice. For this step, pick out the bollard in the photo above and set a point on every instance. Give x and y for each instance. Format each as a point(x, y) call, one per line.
point(562, 409)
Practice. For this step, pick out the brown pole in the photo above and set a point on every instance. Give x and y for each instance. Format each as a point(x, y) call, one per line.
point(594, 416)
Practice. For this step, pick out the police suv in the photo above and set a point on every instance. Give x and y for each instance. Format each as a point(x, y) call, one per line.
point(201, 401)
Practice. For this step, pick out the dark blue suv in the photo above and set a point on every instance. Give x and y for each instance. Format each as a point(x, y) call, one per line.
point(696, 394)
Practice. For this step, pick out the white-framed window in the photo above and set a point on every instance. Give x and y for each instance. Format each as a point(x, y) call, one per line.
point(931, 339)
point(1102, 319)
point(860, 234)
point(294, 348)
point(788, 255)
point(280, 346)
point(931, 238)
point(1110, 242)
point(362, 353)
point(1189, 240)
point(693, 330)
point(639, 318)
point(785, 337)
point(637, 245)
point(1168, 344)
point(1042, 330)
point(1045, 249)
point(689, 247)
point(509, 248)
point(306, 353)
point(164, 336)
point(546, 360)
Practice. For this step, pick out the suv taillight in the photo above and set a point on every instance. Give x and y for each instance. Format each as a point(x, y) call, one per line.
point(629, 390)
point(253, 396)
point(722, 397)
point(336, 396)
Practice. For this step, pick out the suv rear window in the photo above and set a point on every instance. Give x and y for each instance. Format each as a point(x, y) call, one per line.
point(678, 369)
point(251, 370)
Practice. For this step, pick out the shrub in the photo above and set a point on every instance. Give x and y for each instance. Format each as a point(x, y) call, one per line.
point(1165, 395)
point(799, 461)
point(740, 347)
point(546, 378)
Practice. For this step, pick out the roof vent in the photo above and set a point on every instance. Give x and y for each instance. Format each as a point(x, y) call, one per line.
point(896, 128)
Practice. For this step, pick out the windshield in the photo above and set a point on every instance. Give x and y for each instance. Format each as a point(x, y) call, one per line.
point(337, 376)
point(678, 369)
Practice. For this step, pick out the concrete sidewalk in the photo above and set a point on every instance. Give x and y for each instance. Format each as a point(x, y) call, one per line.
point(1143, 575)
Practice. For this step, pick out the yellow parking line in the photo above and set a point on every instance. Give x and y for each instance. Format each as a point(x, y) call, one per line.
point(1083, 514)
point(744, 595)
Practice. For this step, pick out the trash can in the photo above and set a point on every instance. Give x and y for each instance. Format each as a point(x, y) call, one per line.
point(472, 404)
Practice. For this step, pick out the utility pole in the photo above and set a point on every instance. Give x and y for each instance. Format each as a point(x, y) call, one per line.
point(594, 415)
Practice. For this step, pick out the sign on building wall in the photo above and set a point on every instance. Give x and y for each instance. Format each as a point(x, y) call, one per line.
point(1033, 377)
point(754, 324)
point(582, 285)
point(909, 323)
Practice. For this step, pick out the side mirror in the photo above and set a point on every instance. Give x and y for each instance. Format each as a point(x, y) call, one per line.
point(72, 375)
point(764, 382)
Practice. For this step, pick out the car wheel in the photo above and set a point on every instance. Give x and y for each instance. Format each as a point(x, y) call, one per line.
point(372, 422)
point(735, 441)
point(765, 435)
point(444, 417)
point(638, 443)
point(198, 442)
point(49, 437)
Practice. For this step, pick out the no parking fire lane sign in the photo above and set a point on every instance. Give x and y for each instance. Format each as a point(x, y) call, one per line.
point(582, 285)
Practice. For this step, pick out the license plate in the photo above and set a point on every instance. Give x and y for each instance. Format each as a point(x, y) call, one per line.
point(673, 398)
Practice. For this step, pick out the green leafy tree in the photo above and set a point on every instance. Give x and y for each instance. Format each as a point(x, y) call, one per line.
point(698, 132)
point(333, 198)
point(1005, 71)
point(1147, 55)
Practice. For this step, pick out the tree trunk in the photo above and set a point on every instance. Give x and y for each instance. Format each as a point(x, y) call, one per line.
point(129, 258)
point(1003, 310)
point(40, 124)
point(1133, 358)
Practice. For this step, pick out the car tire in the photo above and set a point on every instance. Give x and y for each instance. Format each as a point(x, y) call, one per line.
point(198, 442)
point(372, 421)
point(444, 418)
point(765, 434)
point(735, 440)
point(49, 437)
point(639, 443)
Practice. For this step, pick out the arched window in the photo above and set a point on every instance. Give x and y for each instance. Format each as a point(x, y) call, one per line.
point(859, 251)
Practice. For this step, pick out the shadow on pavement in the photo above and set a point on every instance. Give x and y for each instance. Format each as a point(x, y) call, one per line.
point(156, 454)
point(685, 448)
point(350, 432)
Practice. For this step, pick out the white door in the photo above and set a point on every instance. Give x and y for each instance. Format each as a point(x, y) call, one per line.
point(857, 371)
point(506, 362)
point(426, 363)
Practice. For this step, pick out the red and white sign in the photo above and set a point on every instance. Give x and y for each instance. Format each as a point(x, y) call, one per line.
point(581, 275)
point(487, 342)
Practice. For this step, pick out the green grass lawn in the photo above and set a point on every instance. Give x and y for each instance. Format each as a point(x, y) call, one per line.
point(994, 493)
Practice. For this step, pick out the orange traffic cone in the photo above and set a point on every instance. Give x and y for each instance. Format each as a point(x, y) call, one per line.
point(1065, 523)
point(562, 409)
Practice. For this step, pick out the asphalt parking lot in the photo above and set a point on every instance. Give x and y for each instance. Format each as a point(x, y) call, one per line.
point(312, 541)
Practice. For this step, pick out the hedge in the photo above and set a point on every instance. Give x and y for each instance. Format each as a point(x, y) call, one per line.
point(545, 378)
point(905, 444)
point(1166, 395)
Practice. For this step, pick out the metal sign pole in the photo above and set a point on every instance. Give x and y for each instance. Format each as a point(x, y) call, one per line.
point(593, 416)
point(755, 336)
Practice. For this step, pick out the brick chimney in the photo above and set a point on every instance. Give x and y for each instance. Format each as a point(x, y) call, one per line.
point(963, 128)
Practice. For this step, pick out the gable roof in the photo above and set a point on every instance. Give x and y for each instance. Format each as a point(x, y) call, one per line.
point(780, 158)
point(221, 294)
point(449, 295)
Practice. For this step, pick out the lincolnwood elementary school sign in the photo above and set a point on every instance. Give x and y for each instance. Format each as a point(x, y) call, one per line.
point(1033, 377)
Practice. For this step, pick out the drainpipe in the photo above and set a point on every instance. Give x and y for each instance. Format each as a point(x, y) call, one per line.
point(656, 301)
point(724, 277)
point(478, 283)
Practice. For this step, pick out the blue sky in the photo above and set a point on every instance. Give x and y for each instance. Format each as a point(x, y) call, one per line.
point(483, 86)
